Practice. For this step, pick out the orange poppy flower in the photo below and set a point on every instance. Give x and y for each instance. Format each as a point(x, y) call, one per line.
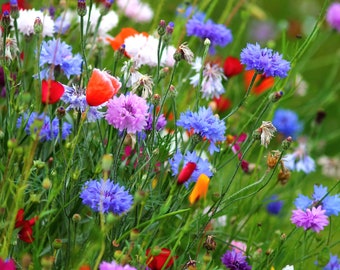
point(51, 91)
point(200, 189)
point(101, 87)
point(119, 39)
point(262, 82)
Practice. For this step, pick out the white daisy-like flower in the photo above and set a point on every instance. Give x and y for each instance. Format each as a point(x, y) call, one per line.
point(26, 22)
point(136, 10)
point(211, 86)
point(144, 51)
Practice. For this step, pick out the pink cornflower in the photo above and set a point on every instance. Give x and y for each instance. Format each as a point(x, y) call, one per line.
point(333, 16)
point(314, 218)
point(128, 112)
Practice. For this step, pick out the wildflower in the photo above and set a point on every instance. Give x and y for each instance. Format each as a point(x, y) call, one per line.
point(51, 91)
point(288, 267)
point(114, 266)
point(119, 39)
point(128, 112)
point(7, 264)
point(204, 124)
point(186, 53)
point(101, 87)
point(299, 160)
point(261, 84)
point(26, 22)
point(264, 61)
point(333, 15)
point(232, 66)
point(106, 196)
point(143, 49)
point(143, 87)
point(136, 10)
point(287, 122)
point(220, 105)
point(200, 189)
point(333, 264)
point(265, 132)
point(235, 260)
point(161, 121)
point(314, 218)
point(57, 54)
point(25, 226)
point(239, 247)
point(46, 128)
point(186, 172)
point(235, 142)
point(218, 34)
point(274, 206)
point(211, 86)
point(156, 262)
point(331, 204)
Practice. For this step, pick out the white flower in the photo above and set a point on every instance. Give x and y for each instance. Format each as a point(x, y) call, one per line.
point(136, 10)
point(267, 131)
point(143, 50)
point(288, 267)
point(26, 22)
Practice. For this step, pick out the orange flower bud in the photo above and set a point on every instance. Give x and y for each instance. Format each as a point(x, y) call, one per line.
point(200, 189)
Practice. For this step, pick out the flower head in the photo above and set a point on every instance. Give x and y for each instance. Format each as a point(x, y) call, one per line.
point(287, 122)
point(200, 189)
point(128, 112)
point(265, 132)
point(52, 91)
point(186, 53)
point(299, 160)
point(264, 61)
point(25, 226)
point(333, 264)
point(234, 260)
point(115, 266)
point(26, 22)
point(205, 124)
point(136, 10)
point(274, 206)
point(57, 54)
point(232, 66)
point(211, 86)
point(333, 15)
point(106, 196)
point(288, 267)
point(143, 86)
point(7, 264)
point(218, 34)
point(314, 218)
point(202, 166)
point(156, 262)
point(101, 87)
point(161, 121)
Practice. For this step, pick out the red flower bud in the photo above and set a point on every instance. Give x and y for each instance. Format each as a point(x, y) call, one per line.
point(232, 66)
point(186, 172)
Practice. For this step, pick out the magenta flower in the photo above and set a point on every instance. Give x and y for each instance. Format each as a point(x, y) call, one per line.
point(333, 16)
point(314, 219)
point(128, 112)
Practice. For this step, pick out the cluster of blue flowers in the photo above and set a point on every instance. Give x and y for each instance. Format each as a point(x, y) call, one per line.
point(48, 129)
point(205, 124)
point(287, 123)
point(264, 61)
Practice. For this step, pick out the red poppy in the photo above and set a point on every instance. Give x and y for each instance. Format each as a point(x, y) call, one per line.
point(101, 87)
point(51, 91)
point(262, 82)
point(232, 66)
point(220, 104)
point(26, 230)
point(157, 262)
point(119, 39)
point(186, 172)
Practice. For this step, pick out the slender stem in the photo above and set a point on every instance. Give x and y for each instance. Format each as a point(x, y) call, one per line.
point(82, 41)
point(115, 164)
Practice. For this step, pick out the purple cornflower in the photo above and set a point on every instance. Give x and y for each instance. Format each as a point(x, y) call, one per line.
point(274, 206)
point(179, 161)
point(161, 121)
point(106, 196)
point(76, 100)
point(264, 61)
point(299, 160)
point(331, 204)
point(218, 34)
point(49, 129)
point(333, 264)
point(56, 53)
point(234, 260)
point(205, 124)
point(287, 122)
point(114, 266)
point(127, 112)
point(314, 218)
point(333, 16)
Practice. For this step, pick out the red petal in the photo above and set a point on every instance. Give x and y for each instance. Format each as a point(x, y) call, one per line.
point(232, 66)
point(20, 218)
point(51, 91)
point(186, 172)
point(157, 262)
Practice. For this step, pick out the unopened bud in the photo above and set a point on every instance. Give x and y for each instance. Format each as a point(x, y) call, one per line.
point(76, 218)
point(155, 251)
point(107, 162)
point(156, 99)
point(46, 183)
point(61, 112)
point(134, 234)
point(81, 9)
point(161, 28)
point(286, 143)
point(14, 9)
point(276, 96)
point(57, 243)
point(5, 20)
point(38, 26)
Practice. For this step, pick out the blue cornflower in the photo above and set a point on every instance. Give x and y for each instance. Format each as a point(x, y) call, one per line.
point(287, 122)
point(106, 196)
point(333, 264)
point(329, 203)
point(299, 160)
point(274, 207)
point(264, 61)
point(179, 161)
point(49, 129)
point(76, 100)
point(205, 124)
point(218, 34)
point(235, 260)
point(58, 54)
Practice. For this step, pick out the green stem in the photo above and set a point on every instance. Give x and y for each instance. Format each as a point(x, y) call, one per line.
point(82, 42)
